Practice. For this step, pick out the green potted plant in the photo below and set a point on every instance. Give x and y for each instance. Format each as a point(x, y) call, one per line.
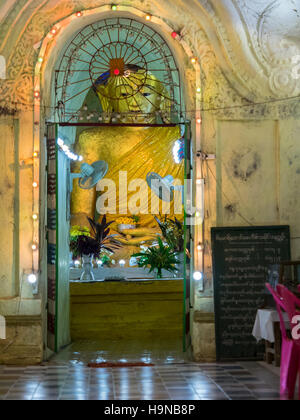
point(91, 246)
point(105, 259)
point(158, 258)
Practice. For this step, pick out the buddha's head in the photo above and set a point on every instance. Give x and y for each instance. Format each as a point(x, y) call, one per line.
point(132, 91)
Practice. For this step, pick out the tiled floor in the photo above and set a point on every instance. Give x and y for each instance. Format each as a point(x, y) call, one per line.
point(67, 377)
point(156, 350)
point(185, 381)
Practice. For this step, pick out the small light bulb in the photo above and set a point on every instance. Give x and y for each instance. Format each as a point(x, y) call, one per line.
point(32, 278)
point(35, 154)
point(199, 121)
point(34, 247)
point(80, 158)
point(198, 276)
point(200, 247)
point(122, 263)
point(114, 7)
point(79, 14)
point(198, 214)
point(148, 17)
point(194, 60)
point(65, 148)
point(198, 90)
point(53, 31)
point(36, 94)
point(35, 184)
point(77, 263)
point(40, 59)
point(35, 216)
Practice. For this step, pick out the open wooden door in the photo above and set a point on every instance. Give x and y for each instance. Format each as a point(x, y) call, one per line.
point(51, 238)
point(58, 228)
point(188, 291)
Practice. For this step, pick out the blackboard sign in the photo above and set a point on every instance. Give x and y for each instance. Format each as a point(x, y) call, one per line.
point(241, 259)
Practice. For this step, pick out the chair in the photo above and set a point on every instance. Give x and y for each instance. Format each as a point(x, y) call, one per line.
point(290, 354)
point(285, 293)
point(292, 303)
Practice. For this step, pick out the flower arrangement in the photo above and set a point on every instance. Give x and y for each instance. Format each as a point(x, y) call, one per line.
point(131, 220)
point(75, 233)
point(125, 221)
point(94, 242)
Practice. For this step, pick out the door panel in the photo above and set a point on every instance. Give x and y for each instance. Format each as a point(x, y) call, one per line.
point(188, 292)
point(51, 235)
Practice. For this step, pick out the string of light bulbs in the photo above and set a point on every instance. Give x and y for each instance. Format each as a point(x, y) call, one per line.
point(67, 151)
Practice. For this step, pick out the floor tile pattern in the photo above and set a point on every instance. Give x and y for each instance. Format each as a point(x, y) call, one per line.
point(184, 381)
point(148, 350)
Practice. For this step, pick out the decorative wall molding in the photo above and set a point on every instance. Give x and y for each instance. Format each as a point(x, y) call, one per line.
point(23, 320)
point(247, 49)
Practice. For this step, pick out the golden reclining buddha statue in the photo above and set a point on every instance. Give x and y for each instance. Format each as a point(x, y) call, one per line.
point(137, 94)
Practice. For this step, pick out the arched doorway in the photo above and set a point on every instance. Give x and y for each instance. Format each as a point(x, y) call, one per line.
point(105, 84)
point(127, 53)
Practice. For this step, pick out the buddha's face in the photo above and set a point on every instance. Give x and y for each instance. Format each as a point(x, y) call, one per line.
point(136, 93)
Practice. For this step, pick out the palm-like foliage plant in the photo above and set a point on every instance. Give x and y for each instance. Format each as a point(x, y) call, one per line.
point(158, 258)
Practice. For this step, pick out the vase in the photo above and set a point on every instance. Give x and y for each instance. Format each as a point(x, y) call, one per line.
point(87, 265)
